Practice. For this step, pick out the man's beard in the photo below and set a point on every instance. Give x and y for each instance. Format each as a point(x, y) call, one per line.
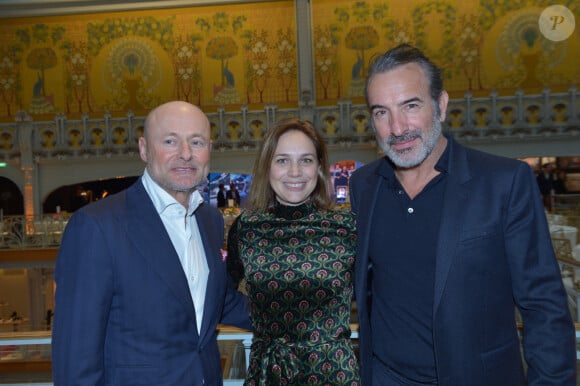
point(412, 157)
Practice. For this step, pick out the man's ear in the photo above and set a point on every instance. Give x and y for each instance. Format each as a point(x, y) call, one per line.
point(443, 101)
point(143, 148)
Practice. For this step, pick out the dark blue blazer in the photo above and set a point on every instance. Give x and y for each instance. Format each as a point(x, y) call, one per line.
point(494, 254)
point(124, 314)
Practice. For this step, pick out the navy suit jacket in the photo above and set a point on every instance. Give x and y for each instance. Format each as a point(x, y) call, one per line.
point(124, 313)
point(494, 254)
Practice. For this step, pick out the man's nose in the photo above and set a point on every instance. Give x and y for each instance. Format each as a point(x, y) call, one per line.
point(185, 151)
point(398, 124)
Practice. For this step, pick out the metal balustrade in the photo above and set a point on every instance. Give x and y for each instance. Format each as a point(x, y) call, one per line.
point(35, 346)
point(474, 119)
point(22, 232)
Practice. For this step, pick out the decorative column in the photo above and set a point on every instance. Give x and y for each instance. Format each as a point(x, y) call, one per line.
point(24, 133)
point(304, 46)
point(36, 298)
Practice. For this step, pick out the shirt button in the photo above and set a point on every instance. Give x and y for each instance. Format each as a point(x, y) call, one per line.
point(410, 210)
point(400, 192)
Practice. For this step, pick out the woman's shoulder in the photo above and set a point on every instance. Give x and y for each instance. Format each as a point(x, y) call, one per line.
point(340, 214)
point(249, 215)
point(340, 210)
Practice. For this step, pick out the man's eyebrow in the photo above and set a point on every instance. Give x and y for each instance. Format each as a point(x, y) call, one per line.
point(414, 99)
point(406, 101)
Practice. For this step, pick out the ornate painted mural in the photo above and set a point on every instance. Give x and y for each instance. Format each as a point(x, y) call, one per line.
point(234, 55)
point(136, 60)
point(482, 45)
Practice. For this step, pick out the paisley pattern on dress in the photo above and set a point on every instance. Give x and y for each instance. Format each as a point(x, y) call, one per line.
point(298, 264)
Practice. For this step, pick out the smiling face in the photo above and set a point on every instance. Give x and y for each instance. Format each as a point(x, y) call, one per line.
point(404, 115)
point(176, 147)
point(294, 168)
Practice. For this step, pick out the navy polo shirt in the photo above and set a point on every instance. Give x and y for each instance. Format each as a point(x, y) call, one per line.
point(403, 244)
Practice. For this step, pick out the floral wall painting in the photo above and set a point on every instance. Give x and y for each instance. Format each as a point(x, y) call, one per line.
point(360, 39)
point(132, 75)
point(37, 46)
point(249, 62)
point(361, 36)
point(351, 31)
point(226, 56)
point(77, 79)
point(524, 57)
point(482, 46)
point(41, 60)
point(130, 62)
point(222, 47)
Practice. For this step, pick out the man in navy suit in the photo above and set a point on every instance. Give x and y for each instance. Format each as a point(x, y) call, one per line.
point(141, 283)
point(451, 242)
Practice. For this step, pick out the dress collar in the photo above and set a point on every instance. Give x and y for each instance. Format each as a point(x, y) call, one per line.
point(293, 212)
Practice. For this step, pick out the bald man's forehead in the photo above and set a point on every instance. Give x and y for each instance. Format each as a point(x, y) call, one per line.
point(175, 112)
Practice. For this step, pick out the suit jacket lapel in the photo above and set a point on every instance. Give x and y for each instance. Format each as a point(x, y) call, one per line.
point(452, 219)
point(364, 222)
point(206, 227)
point(156, 247)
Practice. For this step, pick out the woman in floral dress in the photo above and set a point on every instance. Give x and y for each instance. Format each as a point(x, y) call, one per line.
point(297, 257)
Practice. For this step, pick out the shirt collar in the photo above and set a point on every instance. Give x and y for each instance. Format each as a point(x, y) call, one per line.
point(442, 164)
point(163, 200)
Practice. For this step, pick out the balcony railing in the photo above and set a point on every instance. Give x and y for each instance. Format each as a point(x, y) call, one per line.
point(33, 349)
point(470, 118)
point(23, 232)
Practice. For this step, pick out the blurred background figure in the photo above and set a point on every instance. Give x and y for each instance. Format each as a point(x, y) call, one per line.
point(545, 180)
point(234, 195)
point(221, 196)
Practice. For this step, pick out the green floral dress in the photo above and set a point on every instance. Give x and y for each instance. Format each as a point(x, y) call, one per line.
point(298, 266)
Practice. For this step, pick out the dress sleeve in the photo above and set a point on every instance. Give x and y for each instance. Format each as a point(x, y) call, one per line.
point(234, 263)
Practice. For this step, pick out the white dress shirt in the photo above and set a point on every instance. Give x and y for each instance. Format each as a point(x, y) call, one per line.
point(183, 231)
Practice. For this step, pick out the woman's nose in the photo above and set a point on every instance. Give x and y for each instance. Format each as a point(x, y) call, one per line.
point(295, 169)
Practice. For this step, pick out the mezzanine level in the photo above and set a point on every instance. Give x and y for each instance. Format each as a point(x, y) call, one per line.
point(517, 121)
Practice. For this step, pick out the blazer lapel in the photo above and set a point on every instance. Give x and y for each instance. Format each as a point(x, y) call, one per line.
point(456, 197)
point(210, 239)
point(364, 222)
point(156, 247)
